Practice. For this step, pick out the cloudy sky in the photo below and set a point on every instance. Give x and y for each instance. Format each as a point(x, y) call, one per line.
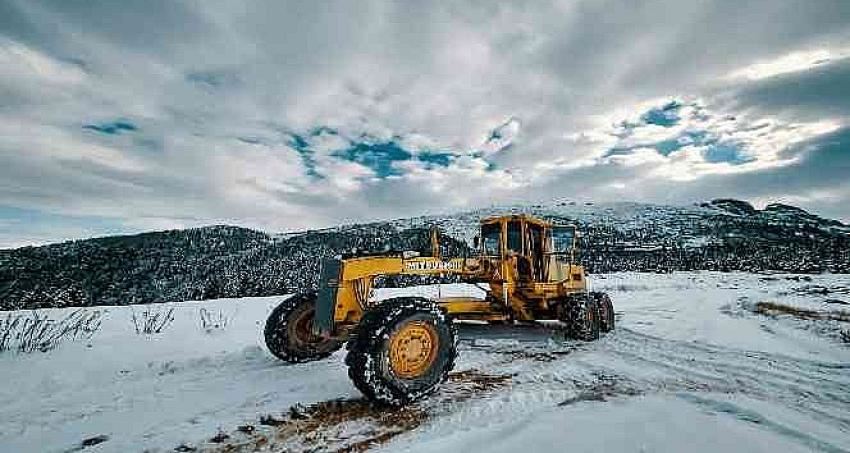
point(135, 115)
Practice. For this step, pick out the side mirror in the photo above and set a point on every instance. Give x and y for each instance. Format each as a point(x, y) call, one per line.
point(475, 242)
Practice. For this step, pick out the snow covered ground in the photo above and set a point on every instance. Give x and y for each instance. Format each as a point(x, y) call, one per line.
point(691, 367)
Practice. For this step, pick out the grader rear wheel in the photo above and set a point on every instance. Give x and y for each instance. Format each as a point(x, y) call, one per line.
point(581, 315)
point(288, 332)
point(401, 350)
point(606, 311)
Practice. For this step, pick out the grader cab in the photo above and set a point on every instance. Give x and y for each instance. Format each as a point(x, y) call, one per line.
point(400, 349)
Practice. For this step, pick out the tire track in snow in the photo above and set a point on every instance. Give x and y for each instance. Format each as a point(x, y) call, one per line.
point(626, 363)
point(750, 416)
point(546, 372)
point(808, 387)
point(818, 388)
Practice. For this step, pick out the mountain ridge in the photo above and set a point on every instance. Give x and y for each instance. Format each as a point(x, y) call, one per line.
point(230, 261)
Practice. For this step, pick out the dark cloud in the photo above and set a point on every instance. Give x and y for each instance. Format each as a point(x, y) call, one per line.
point(806, 95)
point(153, 27)
point(285, 115)
point(817, 182)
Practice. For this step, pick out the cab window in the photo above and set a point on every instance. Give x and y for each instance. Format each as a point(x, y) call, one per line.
point(515, 236)
point(490, 239)
point(562, 239)
point(535, 239)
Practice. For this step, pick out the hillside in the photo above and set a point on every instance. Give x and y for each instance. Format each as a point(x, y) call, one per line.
point(201, 263)
point(226, 261)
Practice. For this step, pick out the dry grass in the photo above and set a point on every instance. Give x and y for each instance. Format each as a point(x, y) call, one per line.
point(212, 321)
point(152, 320)
point(775, 309)
point(35, 331)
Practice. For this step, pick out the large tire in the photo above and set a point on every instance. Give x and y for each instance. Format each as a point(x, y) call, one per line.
point(581, 315)
point(288, 332)
point(401, 351)
point(606, 311)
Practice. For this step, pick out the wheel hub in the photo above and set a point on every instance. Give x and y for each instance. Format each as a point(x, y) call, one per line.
point(303, 328)
point(413, 349)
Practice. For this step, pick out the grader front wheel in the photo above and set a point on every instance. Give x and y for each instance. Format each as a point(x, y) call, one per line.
point(288, 332)
point(401, 350)
point(413, 349)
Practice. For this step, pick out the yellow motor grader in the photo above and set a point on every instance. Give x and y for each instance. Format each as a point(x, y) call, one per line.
point(400, 349)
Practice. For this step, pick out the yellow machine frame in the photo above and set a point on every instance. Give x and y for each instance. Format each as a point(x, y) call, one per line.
point(346, 284)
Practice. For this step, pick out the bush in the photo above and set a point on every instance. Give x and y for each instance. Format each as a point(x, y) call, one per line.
point(152, 320)
point(210, 321)
point(34, 331)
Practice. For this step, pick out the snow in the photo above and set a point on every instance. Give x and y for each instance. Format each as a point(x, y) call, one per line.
point(158, 390)
point(690, 367)
point(652, 424)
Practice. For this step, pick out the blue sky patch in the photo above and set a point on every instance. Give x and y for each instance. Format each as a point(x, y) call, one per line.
point(668, 147)
point(298, 142)
point(436, 159)
point(300, 145)
point(726, 152)
point(691, 137)
point(323, 130)
point(112, 128)
point(713, 152)
point(697, 137)
point(665, 116)
point(618, 151)
point(377, 156)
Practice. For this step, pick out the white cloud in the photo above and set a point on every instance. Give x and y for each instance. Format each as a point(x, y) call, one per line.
point(326, 142)
point(23, 139)
point(788, 63)
point(640, 156)
point(758, 143)
point(19, 63)
point(501, 137)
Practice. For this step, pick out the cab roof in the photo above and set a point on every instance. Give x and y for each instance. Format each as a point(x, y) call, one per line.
point(522, 217)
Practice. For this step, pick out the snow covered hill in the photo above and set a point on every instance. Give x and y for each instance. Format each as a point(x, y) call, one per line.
point(222, 261)
point(700, 361)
